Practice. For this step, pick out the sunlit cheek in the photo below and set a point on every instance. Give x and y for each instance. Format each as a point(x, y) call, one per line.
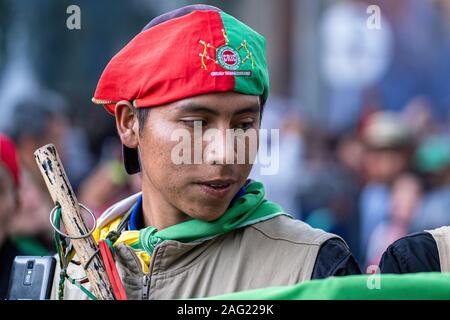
point(246, 146)
point(189, 148)
point(254, 148)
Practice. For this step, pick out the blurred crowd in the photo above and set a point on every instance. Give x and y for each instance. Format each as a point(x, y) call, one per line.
point(385, 178)
point(25, 203)
point(377, 175)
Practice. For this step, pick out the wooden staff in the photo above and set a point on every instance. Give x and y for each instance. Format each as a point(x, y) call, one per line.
point(62, 194)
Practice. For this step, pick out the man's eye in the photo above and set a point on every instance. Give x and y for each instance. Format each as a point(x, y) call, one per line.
point(244, 126)
point(196, 122)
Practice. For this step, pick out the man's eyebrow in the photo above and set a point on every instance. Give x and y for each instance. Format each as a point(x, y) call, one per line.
point(199, 108)
point(253, 109)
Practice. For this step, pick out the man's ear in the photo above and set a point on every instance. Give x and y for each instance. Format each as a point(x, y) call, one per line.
point(127, 124)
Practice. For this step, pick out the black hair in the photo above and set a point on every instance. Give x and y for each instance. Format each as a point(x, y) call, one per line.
point(142, 115)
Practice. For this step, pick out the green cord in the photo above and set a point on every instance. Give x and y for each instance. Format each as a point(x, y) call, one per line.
point(61, 246)
point(110, 245)
point(82, 288)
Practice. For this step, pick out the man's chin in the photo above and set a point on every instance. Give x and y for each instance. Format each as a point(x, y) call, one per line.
point(208, 215)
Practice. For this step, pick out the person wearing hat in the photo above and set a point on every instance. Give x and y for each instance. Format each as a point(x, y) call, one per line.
point(429, 250)
point(202, 229)
point(387, 142)
point(9, 202)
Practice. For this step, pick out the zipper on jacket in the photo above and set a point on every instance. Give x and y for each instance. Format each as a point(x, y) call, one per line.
point(147, 277)
point(146, 286)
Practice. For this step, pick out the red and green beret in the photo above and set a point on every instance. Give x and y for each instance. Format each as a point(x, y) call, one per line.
point(188, 52)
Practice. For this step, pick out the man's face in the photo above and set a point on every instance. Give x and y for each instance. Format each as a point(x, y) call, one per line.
point(201, 191)
point(383, 165)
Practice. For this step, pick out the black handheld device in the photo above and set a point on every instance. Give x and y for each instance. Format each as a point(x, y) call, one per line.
point(31, 278)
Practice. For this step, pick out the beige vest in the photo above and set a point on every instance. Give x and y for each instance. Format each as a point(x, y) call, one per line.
point(279, 251)
point(442, 237)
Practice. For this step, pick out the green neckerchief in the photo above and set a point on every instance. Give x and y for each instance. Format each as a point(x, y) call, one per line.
point(249, 209)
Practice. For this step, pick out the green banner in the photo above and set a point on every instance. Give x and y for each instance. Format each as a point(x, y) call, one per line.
point(420, 286)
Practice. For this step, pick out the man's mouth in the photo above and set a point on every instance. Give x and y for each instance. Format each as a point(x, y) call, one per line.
point(217, 187)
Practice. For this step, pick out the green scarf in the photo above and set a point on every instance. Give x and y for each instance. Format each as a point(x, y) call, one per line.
point(249, 209)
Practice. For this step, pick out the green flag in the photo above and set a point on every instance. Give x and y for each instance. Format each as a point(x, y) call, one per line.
point(432, 285)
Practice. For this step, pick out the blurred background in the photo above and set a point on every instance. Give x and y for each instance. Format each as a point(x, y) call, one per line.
point(363, 112)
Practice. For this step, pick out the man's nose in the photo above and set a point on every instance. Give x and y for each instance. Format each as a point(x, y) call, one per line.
point(218, 147)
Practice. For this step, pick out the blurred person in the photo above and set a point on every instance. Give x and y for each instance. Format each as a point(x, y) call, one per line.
point(9, 204)
point(206, 228)
point(37, 121)
point(30, 226)
point(426, 251)
point(433, 160)
point(387, 150)
point(350, 153)
point(282, 187)
point(415, 70)
point(388, 140)
point(332, 184)
point(427, 248)
point(352, 60)
point(46, 119)
point(405, 197)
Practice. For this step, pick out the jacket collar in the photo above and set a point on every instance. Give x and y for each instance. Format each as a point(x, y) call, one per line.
point(117, 210)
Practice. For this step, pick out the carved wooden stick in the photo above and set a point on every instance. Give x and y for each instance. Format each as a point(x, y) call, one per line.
point(62, 194)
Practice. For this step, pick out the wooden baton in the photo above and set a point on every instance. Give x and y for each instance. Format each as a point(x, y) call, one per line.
point(62, 194)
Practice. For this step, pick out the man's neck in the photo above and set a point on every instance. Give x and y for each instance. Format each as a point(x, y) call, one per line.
point(157, 212)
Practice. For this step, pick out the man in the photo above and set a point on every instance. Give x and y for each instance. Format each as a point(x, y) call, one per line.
point(427, 251)
point(387, 144)
point(46, 117)
point(43, 114)
point(200, 229)
point(430, 250)
point(9, 203)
